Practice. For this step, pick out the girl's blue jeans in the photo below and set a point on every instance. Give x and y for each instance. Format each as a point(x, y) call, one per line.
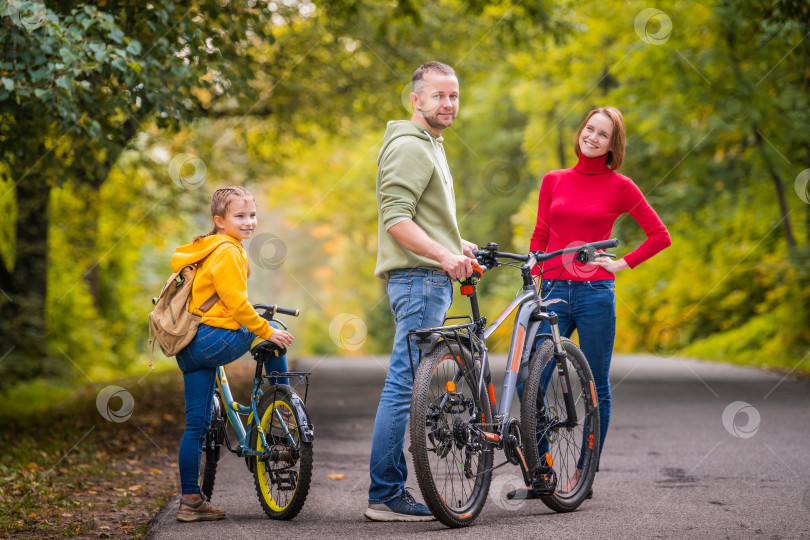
point(419, 298)
point(590, 309)
point(211, 347)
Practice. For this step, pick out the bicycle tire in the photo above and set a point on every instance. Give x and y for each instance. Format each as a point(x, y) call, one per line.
point(454, 481)
point(211, 449)
point(568, 446)
point(282, 483)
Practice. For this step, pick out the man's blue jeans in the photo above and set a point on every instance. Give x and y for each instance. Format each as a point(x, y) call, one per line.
point(211, 347)
point(590, 309)
point(419, 298)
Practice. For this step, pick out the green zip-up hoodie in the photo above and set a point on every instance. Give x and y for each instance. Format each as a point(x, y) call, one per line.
point(410, 185)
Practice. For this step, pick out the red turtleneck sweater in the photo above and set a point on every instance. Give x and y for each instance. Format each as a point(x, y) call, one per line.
point(580, 205)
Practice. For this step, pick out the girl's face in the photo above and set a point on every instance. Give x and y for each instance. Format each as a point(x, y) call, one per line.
point(594, 141)
point(240, 219)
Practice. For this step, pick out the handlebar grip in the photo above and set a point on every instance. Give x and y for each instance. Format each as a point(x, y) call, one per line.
point(605, 244)
point(277, 309)
point(287, 311)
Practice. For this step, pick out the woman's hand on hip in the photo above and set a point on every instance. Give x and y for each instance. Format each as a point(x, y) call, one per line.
point(610, 265)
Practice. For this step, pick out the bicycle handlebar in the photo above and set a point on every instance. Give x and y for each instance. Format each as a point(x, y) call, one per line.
point(605, 244)
point(540, 256)
point(273, 309)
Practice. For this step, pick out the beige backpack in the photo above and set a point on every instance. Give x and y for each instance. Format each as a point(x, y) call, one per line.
point(172, 324)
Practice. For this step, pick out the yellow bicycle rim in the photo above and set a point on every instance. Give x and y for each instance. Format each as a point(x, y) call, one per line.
point(261, 466)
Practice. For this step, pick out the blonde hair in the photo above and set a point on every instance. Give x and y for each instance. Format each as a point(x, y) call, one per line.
point(615, 156)
point(221, 201)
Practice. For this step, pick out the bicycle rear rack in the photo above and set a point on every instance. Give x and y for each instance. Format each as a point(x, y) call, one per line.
point(302, 376)
point(426, 338)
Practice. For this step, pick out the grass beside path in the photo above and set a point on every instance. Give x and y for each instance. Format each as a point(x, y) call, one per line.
point(67, 471)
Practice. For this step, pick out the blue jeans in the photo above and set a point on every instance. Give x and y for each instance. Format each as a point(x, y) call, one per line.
point(590, 309)
point(211, 347)
point(419, 298)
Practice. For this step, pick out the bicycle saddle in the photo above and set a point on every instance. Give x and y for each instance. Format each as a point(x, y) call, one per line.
point(265, 349)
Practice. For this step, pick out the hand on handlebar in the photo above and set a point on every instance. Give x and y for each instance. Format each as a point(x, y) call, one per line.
point(457, 266)
point(281, 337)
point(467, 248)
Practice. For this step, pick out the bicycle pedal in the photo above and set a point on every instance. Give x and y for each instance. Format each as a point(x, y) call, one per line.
point(545, 482)
point(284, 484)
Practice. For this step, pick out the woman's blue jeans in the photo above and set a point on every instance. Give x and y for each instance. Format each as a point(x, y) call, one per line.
point(419, 298)
point(590, 309)
point(211, 347)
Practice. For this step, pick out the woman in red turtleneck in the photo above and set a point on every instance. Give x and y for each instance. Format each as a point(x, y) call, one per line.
point(581, 205)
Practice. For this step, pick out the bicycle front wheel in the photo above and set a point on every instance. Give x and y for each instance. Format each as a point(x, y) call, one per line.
point(282, 481)
point(572, 446)
point(453, 467)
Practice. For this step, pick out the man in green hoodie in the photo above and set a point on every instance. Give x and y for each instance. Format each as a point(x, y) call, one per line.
point(418, 247)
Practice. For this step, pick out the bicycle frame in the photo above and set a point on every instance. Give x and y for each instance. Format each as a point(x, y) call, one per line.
point(235, 410)
point(530, 315)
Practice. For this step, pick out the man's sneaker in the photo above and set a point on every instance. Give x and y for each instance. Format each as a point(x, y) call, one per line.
point(199, 511)
point(402, 508)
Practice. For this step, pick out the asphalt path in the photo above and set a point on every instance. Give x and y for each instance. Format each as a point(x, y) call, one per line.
point(695, 450)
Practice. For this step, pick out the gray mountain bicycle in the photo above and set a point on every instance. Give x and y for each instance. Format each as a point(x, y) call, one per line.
point(455, 424)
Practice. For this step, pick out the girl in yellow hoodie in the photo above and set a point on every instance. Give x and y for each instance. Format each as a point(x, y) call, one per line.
point(226, 331)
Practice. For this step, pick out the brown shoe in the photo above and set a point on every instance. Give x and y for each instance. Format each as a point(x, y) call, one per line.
point(198, 511)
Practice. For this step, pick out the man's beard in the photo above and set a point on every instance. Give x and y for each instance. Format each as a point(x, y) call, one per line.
point(433, 121)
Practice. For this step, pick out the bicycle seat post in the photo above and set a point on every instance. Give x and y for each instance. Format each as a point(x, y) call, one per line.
point(259, 365)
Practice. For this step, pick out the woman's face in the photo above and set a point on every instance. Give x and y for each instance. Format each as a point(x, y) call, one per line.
point(594, 141)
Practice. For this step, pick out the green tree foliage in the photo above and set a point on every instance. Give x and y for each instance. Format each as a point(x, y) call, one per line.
point(291, 100)
point(79, 80)
point(715, 97)
point(77, 83)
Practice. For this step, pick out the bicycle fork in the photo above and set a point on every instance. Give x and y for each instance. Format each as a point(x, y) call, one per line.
point(560, 358)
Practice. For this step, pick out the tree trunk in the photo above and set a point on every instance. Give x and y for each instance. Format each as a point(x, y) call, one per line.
point(780, 191)
point(24, 346)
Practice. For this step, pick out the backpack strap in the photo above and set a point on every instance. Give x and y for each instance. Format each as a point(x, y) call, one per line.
point(152, 340)
point(208, 304)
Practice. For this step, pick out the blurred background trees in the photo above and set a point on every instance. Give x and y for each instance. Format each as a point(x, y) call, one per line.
point(118, 119)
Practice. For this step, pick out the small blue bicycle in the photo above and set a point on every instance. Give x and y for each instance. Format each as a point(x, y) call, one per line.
point(278, 447)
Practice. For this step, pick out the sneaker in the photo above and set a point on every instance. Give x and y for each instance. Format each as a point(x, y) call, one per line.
point(402, 508)
point(198, 511)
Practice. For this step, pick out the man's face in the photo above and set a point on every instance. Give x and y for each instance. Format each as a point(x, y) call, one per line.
point(435, 99)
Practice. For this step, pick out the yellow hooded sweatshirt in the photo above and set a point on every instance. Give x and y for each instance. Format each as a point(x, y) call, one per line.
point(224, 272)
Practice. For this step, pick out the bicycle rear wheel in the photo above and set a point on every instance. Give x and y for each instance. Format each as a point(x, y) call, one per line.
point(573, 447)
point(282, 481)
point(211, 448)
point(453, 468)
